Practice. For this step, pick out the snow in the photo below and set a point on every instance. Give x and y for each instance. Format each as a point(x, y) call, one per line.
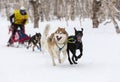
point(100, 61)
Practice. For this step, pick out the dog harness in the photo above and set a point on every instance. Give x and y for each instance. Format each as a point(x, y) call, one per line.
point(61, 47)
point(71, 40)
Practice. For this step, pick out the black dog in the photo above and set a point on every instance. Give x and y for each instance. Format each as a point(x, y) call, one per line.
point(35, 39)
point(74, 43)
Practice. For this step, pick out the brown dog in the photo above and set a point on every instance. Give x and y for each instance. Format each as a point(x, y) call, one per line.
point(55, 44)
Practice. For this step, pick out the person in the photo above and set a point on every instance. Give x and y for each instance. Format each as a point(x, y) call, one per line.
point(18, 19)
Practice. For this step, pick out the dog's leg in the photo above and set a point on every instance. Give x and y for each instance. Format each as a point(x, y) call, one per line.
point(69, 56)
point(53, 61)
point(73, 60)
point(40, 45)
point(43, 46)
point(74, 56)
point(58, 55)
point(33, 47)
point(64, 56)
point(59, 60)
point(52, 56)
point(28, 44)
point(81, 53)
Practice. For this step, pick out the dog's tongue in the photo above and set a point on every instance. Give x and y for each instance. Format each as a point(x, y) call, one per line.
point(79, 38)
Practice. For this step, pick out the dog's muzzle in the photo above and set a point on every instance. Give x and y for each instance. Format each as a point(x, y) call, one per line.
point(79, 37)
point(58, 38)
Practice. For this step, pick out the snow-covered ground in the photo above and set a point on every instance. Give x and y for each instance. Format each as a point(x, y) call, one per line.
point(100, 61)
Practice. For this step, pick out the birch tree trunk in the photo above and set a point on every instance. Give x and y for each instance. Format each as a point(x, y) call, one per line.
point(111, 13)
point(47, 9)
point(35, 5)
point(66, 10)
point(30, 13)
point(96, 7)
point(41, 12)
point(56, 7)
point(97, 10)
point(7, 8)
point(72, 10)
point(0, 5)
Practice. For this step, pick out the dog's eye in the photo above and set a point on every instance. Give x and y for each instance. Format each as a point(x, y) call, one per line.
point(57, 32)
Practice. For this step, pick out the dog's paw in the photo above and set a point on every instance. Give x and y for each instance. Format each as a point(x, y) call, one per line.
point(75, 62)
point(54, 64)
point(27, 47)
point(76, 58)
point(79, 56)
point(70, 63)
point(60, 61)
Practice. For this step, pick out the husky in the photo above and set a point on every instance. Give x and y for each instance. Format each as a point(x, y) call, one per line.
point(55, 43)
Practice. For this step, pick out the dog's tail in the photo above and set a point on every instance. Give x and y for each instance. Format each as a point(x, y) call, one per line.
point(46, 30)
point(44, 37)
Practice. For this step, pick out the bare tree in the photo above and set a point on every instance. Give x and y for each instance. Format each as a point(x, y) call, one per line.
point(47, 9)
point(66, 10)
point(72, 10)
point(111, 12)
point(41, 11)
point(7, 8)
point(35, 5)
point(96, 8)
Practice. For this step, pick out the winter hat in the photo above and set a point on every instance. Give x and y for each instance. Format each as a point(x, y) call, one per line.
point(22, 8)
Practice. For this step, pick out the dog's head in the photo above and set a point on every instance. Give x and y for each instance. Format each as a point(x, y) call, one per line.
point(78, 34)
point(38, 36)
point(60, 35)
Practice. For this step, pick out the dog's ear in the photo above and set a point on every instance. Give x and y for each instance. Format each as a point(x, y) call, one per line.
point(82, 29)
point(75, 29)
point(40, 34)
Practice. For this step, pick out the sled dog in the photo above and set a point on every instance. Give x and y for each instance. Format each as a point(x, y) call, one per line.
point(75, 43)
point(55, 43)
point(35, 40)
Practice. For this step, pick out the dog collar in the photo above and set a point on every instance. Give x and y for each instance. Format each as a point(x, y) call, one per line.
point(60, 48)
